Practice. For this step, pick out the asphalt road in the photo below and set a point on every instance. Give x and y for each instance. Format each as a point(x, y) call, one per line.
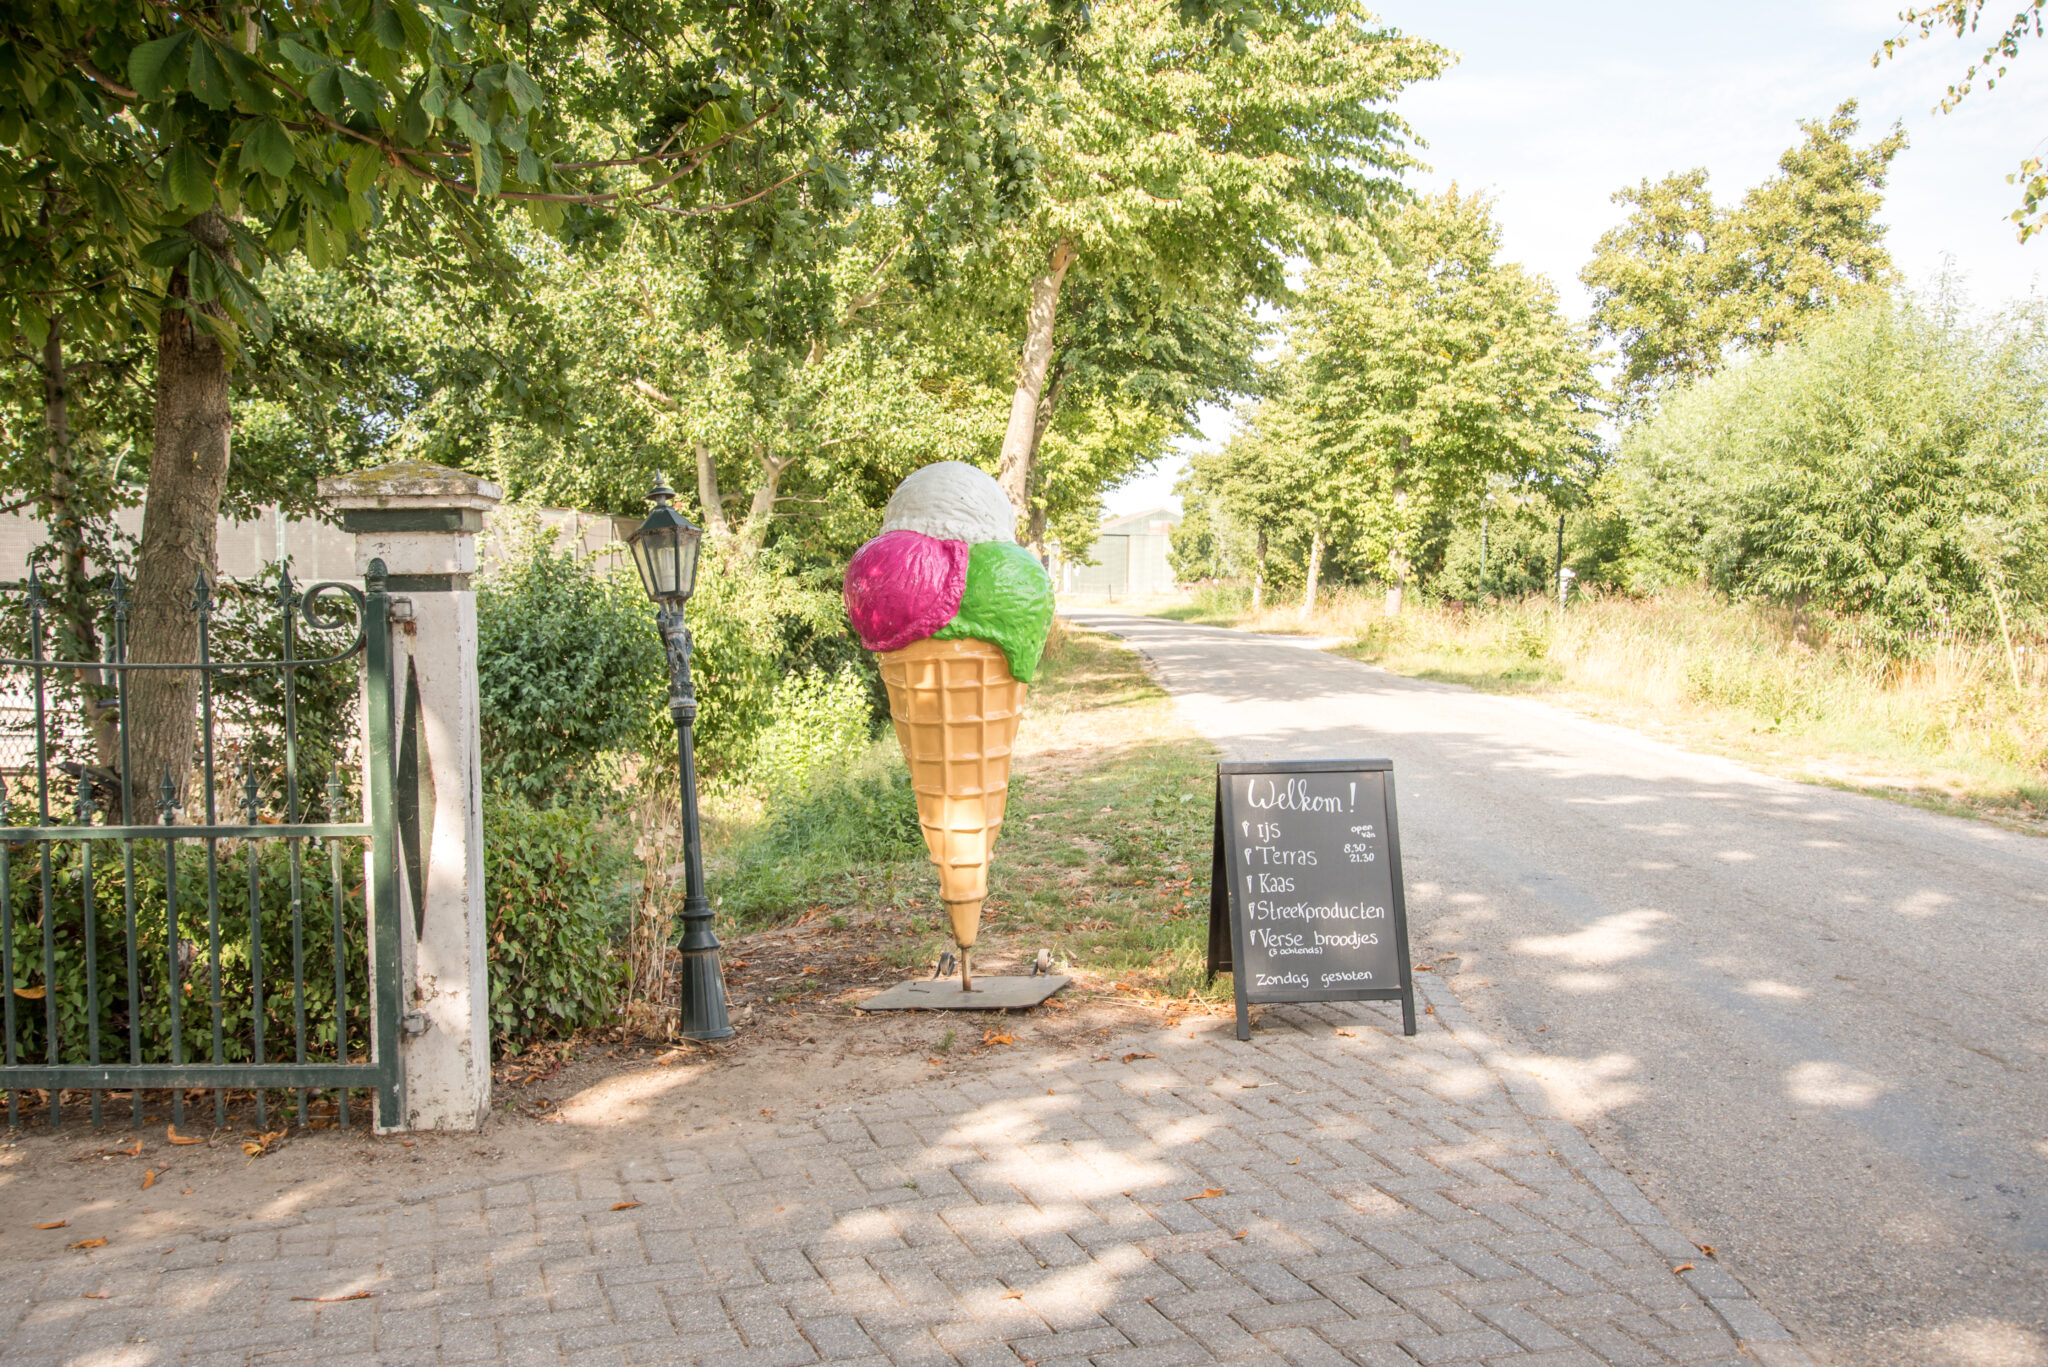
point(1813, 1025)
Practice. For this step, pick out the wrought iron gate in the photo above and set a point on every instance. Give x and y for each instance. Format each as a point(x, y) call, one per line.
point(123, 966)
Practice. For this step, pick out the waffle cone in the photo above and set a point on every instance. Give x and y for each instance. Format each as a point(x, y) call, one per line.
point(955, 705)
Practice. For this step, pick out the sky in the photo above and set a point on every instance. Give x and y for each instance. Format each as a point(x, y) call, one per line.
point(1552, 108)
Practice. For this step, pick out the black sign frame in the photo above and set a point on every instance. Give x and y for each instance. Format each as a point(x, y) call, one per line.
point(1227, 930)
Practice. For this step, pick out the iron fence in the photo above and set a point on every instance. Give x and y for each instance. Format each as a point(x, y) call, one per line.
point(229, 953)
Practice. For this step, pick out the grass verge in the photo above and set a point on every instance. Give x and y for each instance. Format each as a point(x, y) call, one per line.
point(1102, 857)
point(1793, 695)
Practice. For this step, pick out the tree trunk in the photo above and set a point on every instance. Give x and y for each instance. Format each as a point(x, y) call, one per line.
point(2012, 659)
point(1259, 573)
point(188, 471)
point(1034, 534)
point(1048, 404)
point(707, 493)
point(1397, 546)
point(754, 535)
point(1020, 445)
point(1034, 520)
point(78, 635)
point(1315, 571)
point(1560, 560)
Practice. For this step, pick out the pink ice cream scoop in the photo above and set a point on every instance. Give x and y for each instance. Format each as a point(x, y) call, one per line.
point(903, 586)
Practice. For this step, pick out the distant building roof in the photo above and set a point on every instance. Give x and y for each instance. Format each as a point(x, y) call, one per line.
point(1159, 520)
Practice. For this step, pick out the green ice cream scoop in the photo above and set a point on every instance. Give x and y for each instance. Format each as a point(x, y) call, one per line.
point(1007, 602)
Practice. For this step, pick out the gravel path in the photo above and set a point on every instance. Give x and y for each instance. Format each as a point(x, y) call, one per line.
point(1810, 1024)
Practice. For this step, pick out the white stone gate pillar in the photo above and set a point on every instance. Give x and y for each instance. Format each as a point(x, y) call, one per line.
point(421, 520)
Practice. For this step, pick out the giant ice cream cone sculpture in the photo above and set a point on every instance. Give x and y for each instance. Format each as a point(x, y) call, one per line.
point(958, 613)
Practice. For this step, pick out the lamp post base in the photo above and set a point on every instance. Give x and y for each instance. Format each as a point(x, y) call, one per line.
point(700, 998)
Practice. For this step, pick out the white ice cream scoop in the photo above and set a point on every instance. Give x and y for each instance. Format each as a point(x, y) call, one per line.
point(953, 501)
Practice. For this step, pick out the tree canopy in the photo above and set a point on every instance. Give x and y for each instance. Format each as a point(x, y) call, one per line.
point(1961, 17)
point(1194, 151)
point(1888, 464)
point(1682, 283)
point(1424, 371)
point(156, 159)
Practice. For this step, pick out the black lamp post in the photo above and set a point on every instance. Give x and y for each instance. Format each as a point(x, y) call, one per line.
point(665, 552)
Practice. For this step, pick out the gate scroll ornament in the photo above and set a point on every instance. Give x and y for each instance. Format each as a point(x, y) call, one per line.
point(117, 1017)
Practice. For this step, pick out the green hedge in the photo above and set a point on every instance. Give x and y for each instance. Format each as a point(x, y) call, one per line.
point(559, 883)
point(150, 1007)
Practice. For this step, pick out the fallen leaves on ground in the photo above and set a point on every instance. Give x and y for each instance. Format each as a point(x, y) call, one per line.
point(1013, 1296)
point(54, 1224)
point(1205, 1194)
point(625, 1205)
point(171, 1133)
point(329, 1300)
point(1682, 1267)
point(133, 1150)
point(1707, 1249)
point(90, 1243)
point(148, 1178)
point(1347, 1034)
point(259, 1144)
point(534, 1072)
point(96, 1295)
point(1133, 1058)
point(993, 1037)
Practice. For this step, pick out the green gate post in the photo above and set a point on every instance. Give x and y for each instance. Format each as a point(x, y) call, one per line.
point(421, 521)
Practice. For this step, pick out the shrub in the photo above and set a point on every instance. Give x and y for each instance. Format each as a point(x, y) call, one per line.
point(569, 670)
point(848, 824)
point(325, 701)
point(820, 726)
point(559, 883)
point(1883, 466)
point(754, 622)
point(149, 1010)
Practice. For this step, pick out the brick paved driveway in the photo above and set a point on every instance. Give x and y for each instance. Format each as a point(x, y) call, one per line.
point(1330, 1193)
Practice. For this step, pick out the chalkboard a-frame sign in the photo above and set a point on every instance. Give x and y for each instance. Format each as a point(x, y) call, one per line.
point(1305, 899)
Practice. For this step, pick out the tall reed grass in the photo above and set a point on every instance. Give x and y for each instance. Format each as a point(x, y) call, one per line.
point(1944, 719)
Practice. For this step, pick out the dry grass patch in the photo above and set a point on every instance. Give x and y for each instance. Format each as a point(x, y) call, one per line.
point(1796, 695)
